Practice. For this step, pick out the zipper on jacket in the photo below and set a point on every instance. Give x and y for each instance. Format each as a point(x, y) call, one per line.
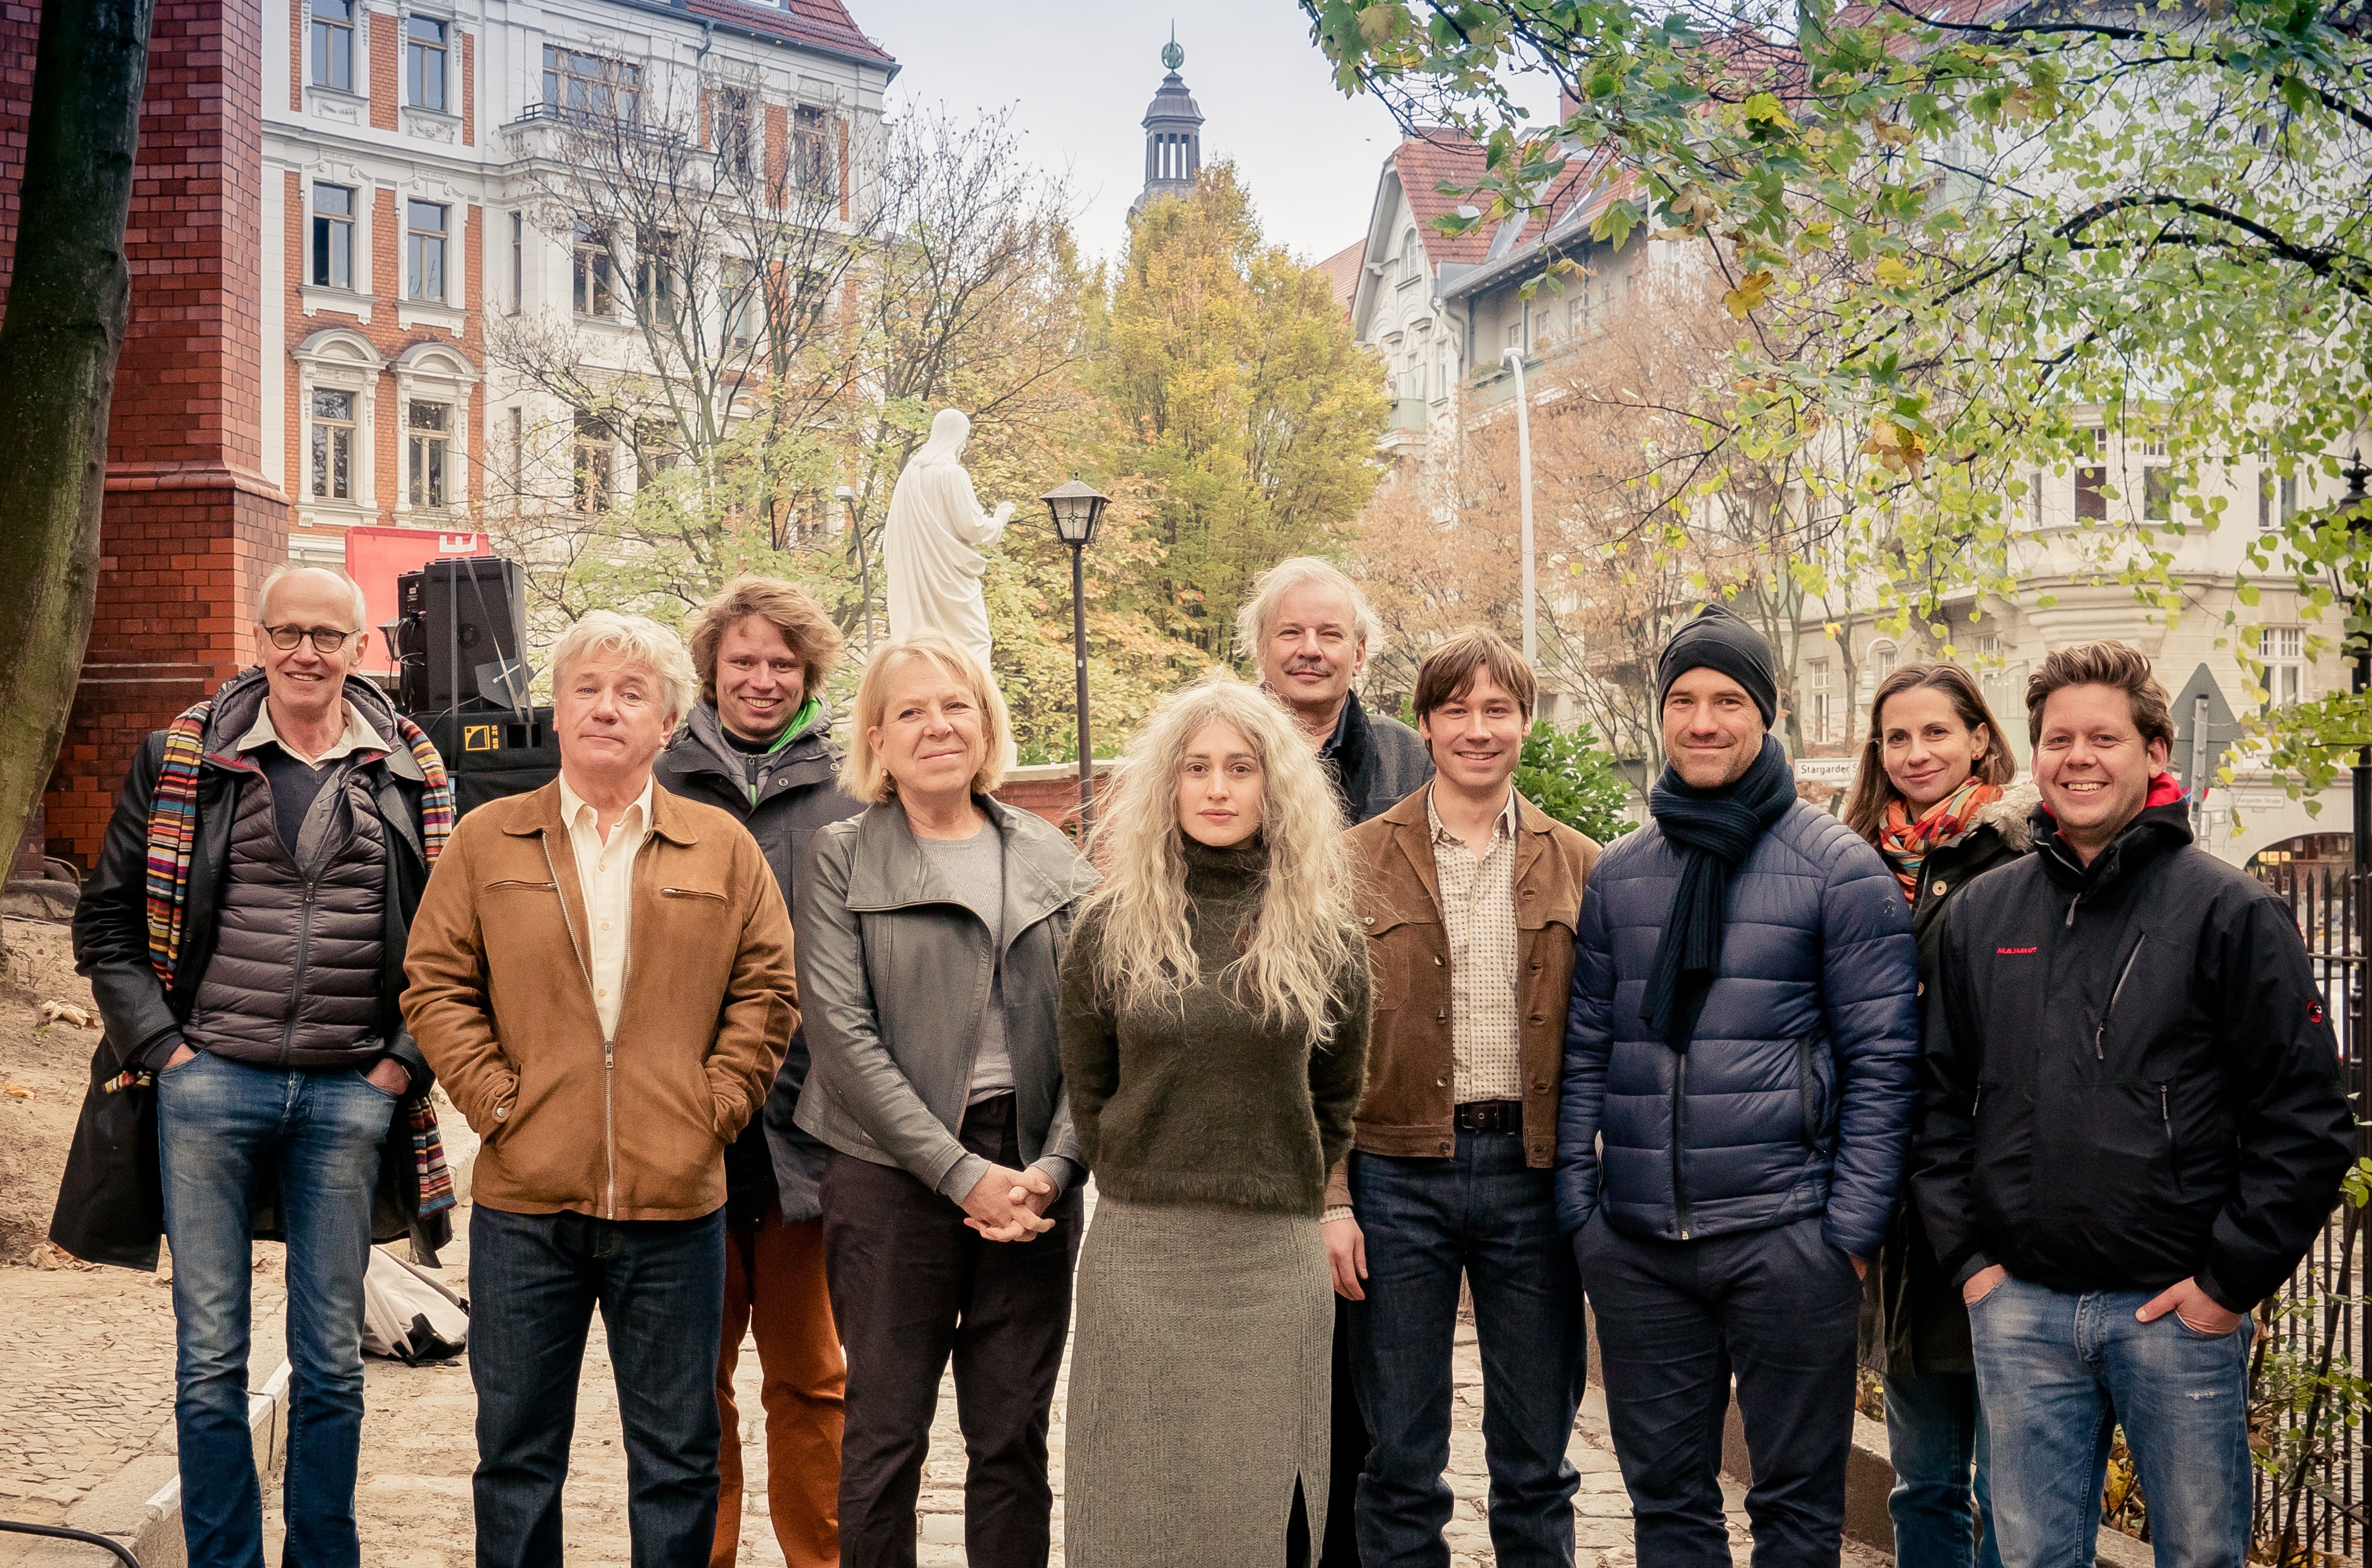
point(608, 1046)
point(2100, 1035)
point(2165, 1118)
point(2071, 909)
point(297, 977)
point(1680, 1093)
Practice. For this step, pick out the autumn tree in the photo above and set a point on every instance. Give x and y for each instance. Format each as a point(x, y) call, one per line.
point(69, 297)
point(1235, 402)
point(1959, 241)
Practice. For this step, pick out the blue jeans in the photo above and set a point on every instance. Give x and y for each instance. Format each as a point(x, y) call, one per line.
point(2057, 1375)
point(223, 1129)
point(1935, 1437)
point(1482, 1213)
point(534, 1282)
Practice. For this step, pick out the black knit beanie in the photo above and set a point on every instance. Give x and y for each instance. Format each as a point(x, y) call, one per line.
point(1717, 637)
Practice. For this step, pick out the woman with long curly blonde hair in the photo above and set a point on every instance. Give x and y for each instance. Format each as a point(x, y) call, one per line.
point(1214, 1031)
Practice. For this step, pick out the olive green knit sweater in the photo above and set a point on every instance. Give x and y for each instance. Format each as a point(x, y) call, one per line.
point(1200, 1102)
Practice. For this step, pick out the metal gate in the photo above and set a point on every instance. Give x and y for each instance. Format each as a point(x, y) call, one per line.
point(2305, 1387)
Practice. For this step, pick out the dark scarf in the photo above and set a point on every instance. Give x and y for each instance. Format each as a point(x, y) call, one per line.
point(1714, 829)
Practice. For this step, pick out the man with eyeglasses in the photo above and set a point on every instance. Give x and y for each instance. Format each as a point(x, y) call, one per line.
point(244, 935)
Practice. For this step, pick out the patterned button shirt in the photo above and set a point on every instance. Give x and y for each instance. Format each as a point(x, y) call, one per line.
point(1478, 909)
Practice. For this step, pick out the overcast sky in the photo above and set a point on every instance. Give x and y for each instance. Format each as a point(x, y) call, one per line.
point(1079, 73)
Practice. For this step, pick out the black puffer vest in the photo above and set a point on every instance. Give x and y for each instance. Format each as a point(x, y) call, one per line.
point(295, 978)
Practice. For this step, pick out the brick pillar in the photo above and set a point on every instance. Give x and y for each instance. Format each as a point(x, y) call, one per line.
point(191, 526)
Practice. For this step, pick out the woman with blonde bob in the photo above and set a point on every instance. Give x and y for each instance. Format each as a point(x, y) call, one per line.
point(1214, 1028)
point(931, 932)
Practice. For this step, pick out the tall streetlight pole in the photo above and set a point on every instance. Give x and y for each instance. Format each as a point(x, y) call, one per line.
point(1514, 360)
point(1076, 508)
point(864, 565)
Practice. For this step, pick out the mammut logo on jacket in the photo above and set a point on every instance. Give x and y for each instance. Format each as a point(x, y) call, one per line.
point(2013, 952)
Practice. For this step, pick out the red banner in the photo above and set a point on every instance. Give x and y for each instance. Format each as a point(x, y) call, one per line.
point(375, 557)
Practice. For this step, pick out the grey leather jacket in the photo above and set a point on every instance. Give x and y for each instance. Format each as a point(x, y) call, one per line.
point(894, 974)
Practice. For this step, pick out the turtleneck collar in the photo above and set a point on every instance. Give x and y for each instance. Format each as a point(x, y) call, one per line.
point(1233, 872)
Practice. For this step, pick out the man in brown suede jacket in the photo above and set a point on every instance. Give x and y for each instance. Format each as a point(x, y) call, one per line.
point(1472, 900)
point(600, 973)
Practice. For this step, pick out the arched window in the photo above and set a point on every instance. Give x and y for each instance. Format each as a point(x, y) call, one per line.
point(1412, 258)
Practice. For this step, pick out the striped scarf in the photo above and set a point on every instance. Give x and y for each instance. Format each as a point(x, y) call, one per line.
point(173, 834)
point(1905, 844)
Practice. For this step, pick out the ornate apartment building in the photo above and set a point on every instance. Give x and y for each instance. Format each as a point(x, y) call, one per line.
point(405, 211)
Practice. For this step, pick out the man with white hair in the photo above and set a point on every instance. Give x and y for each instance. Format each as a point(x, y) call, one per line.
point(602, 973)
point(1311, 630)
point(244, 935)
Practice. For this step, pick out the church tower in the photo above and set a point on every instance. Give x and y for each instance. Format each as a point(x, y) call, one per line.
point(1173, 134)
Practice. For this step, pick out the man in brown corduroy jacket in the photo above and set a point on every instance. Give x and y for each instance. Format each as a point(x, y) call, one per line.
point(1469, 903)
point(600, 973)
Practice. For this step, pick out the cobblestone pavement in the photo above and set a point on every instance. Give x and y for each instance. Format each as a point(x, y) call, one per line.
point(414, 1493)
point(88, 1383)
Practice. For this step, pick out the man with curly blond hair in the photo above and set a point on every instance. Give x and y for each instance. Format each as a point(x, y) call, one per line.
point(758, 744)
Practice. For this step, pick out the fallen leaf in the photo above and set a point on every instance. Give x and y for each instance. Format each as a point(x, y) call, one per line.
point(16, 1091)
point(67, 1012)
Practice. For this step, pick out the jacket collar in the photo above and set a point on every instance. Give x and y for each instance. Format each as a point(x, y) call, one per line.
point(234, 710)
point(1413, 837)
point(699, 747)
point(539, 813)
point(2155, 832)
point(1042, 872)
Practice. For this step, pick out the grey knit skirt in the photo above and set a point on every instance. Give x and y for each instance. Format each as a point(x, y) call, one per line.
point(1201, 1371)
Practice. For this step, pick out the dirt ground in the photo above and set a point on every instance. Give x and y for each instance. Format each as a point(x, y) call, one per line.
point(51, 1067)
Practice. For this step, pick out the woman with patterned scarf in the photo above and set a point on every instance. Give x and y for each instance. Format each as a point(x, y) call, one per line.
point(1934, 795)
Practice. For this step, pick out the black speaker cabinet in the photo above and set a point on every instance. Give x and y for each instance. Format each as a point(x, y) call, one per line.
point(458, 613)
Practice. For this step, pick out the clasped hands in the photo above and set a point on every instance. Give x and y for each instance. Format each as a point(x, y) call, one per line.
point(1010, 1205)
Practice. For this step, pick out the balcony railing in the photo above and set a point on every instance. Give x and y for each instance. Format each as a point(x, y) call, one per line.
point(596, 122)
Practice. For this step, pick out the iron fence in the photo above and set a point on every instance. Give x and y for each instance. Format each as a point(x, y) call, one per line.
point(2308, 1366)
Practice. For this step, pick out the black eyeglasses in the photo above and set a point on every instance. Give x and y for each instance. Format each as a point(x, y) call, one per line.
point(326, 639)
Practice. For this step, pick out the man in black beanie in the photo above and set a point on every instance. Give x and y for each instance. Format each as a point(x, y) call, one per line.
point(1743, 1037)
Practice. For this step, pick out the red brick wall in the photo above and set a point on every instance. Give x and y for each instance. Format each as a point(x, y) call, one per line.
point(1055, 799)
point(297, 329)
point(386, 80)
point(297, 55)
point(778, 147)
point(469, 91)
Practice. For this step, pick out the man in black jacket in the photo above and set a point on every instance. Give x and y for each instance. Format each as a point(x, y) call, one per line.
point(244, 935)
point(2133, 1125)
point(758, 744)
point(1311, 631)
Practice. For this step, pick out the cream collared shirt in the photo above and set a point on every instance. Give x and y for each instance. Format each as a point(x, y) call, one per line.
point(1478, 912)
point(358, 735)
point(605, 871)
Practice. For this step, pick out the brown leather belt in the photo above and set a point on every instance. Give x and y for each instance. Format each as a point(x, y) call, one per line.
point(1491, 1115)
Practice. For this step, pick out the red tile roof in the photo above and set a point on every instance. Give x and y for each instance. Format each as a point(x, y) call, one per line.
point(1426, 161)
point(1341, 269)
point(1442, 154)
point(820, 23)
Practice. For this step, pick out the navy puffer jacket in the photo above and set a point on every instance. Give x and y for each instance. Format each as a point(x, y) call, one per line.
point(1796, 1098)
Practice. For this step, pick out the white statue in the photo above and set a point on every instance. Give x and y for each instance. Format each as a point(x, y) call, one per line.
point(934, 540)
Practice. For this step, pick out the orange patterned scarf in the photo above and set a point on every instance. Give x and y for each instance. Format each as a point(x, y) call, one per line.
point(1906, 843)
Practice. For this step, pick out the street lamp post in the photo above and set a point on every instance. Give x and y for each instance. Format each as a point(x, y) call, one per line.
point(847, 497)
point(1514, 360)
point(1076, 509)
